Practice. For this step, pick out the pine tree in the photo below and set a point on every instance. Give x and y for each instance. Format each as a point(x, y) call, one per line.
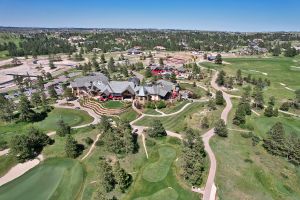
point(63, 129)
point(240, 116)
point(275, 143)
point(269, 111)
point(36, 99)
point(105, 175)
point(221, 78)
point(122, 178)
point(219, 98)
point(239, 77)
point(157, 129)
point(71, 147)
point(221, 129)
point(26, 113)
point(204, 123)
point(218, 59)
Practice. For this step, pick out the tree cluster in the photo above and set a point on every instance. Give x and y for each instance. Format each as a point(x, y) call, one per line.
point(29, 145)
point(279, 144)
point(120, 139)
point(193, 158)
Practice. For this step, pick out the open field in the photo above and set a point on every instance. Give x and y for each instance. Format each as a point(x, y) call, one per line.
point(249, 172)
point(280, 70)
point(164, 183)
point(72, 117)
point(54, 178)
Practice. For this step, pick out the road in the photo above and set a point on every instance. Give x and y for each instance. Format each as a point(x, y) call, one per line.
point(210, 190)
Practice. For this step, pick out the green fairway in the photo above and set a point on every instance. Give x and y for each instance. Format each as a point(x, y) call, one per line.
point(72, 117)
point(175, 107)
point(159, 177)
point(165, 194)
point(277, 69)
point(53, 179)
point(158, 170)
point(129, 115)
point(177, 122)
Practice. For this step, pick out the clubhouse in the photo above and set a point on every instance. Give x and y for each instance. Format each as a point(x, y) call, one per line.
point(99, 87)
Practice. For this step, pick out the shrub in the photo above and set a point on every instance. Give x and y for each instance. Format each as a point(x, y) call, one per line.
point(161, 104)
point(285, 106)
point(88, 140)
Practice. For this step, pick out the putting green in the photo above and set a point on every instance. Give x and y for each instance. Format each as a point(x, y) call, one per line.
point(157, 171)
point(165, 194)
point(53, 179)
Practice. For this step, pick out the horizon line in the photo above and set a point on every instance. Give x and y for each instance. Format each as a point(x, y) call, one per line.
point(161, 29)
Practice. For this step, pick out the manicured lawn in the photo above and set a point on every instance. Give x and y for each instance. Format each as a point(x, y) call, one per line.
point(174, 107)
point(166, 194)
point(113, 104)
point(177, 122)
point(72, 117)
point(158, 170)
point(277, 69)
point(164, 183)
point(129, 115)
point(54, 178)
point(150, 111)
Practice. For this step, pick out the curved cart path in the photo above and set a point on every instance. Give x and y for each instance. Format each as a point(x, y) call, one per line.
point(22, 168)
point(210, 189)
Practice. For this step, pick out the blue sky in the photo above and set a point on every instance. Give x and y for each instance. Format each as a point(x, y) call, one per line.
point(222, 15)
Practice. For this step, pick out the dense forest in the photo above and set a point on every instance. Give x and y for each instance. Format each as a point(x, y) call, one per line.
point(114, 40)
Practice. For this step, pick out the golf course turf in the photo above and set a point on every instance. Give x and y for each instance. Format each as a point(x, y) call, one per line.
point(158, 170)
point(159, 177)
point(52, 179)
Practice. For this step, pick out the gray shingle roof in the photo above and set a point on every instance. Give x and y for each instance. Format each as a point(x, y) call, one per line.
point(81, 82)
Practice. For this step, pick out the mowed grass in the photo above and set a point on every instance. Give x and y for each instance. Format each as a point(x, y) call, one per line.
point(174, 107)
point(158, 170)
point(72, 117)
point(53, 179)
point(113, 104)
point(176, 123)
point(129, 115)
point(277, 69)
point(170, 187)
point(165, 194)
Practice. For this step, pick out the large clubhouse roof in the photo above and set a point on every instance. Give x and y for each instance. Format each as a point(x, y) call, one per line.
point(83, 81)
